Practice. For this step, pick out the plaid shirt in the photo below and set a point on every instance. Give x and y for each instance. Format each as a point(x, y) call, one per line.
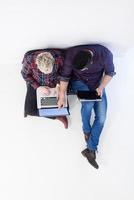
point(34, 76)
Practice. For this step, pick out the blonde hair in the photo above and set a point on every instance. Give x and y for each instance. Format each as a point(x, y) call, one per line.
point(45, 62)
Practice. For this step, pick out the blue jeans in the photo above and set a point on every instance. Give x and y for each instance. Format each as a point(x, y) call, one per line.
point(100, 109)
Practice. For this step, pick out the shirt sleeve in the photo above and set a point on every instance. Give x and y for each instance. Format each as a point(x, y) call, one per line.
point(27, 73)
point(109, 68)
point(67, 67)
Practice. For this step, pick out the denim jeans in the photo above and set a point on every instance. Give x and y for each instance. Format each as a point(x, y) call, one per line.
point(100, 109)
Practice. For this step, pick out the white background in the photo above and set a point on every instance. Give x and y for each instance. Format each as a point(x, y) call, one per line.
point(39, 159)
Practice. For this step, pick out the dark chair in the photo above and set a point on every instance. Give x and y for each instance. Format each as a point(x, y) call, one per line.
point(30, 106)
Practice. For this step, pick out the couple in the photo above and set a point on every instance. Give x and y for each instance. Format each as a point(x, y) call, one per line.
point(84, 67)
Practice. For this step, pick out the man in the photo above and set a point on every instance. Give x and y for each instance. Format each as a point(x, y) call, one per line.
point(41, 69)
point(90, 67)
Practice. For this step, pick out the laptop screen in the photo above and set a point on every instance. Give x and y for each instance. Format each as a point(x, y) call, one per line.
point(88, 96)
point(49, 101)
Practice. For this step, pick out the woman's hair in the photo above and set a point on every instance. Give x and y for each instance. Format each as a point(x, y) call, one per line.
point(45, 62)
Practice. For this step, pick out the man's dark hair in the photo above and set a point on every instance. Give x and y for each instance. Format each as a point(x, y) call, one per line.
point(81, 59)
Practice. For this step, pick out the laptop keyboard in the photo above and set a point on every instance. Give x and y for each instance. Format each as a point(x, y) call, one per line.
point(48, 101)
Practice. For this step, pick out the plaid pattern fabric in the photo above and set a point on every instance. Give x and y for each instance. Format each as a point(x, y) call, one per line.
point(34, 76)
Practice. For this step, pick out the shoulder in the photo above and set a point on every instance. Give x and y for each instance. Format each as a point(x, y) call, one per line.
point(103, 49)
point(96, 47)
point(29, 56)
point(57, 53)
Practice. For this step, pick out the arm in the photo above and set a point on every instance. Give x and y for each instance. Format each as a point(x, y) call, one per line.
point(28, 77)
point(65, 77)
point(63, 89)
point(109, 71)
point(27, 73)
point(105, 80)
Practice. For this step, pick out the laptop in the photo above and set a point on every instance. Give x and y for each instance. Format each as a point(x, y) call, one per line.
point(88, 96)
point(47, 104)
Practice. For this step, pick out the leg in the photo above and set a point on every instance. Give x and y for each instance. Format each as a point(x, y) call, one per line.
point(64, 120)
point(100, 109)
point(86, 111)
point(86, 108)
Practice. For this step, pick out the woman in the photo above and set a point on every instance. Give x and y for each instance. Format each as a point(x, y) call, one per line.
point(41, 69)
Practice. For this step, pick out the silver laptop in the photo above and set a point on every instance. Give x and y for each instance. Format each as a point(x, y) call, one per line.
point(48, 101)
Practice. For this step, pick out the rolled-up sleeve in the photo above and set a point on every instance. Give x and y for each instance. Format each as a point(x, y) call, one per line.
point(109, 68)
point(62, 78)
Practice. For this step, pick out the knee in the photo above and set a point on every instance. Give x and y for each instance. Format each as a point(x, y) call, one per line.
point(87, 106)
point(100, 120)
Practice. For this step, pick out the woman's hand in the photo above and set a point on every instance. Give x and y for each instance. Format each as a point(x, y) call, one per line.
point(44, 90)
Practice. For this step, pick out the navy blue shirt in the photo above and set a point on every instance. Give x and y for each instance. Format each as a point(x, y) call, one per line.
point(102, 63)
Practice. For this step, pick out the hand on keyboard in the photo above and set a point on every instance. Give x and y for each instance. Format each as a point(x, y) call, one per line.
point(44, 90)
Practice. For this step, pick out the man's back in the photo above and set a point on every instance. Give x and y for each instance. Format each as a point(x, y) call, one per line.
point(102, 61)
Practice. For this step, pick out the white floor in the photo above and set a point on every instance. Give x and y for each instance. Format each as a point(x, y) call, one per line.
point(39, 159)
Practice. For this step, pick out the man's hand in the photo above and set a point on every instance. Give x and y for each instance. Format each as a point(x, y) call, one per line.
point(106, 79)
point(57, 90)
point(61, 94)
point(44, 90)
point(61, 100)
point(99, 91)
